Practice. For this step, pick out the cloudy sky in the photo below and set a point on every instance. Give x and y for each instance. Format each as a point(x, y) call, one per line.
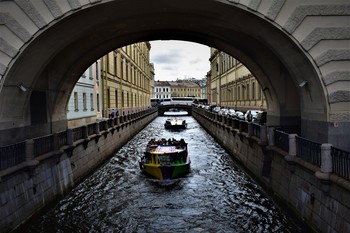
point(179, 60)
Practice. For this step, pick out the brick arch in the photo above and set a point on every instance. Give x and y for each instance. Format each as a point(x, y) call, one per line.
point(46, 45)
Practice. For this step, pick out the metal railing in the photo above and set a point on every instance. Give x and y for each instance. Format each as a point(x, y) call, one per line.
point(341, 162)
point(281, 140)
point(12, 155)
point(62, 138)
point(305, 149)
point(15, 154)
point(91, 128)
point(235, 123)
point(308, 150)
point(256, 130)
point(43, 145)
point(77, 133)
point(243, 126)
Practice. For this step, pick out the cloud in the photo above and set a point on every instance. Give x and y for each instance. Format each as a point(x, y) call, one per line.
point(196, 61)
point(169, 57)
point(170, 68)
point(179, 59)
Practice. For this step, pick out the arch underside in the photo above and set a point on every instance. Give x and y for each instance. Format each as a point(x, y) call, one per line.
point(55, 57)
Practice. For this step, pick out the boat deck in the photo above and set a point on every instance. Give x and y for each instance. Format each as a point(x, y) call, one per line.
point(166, 150)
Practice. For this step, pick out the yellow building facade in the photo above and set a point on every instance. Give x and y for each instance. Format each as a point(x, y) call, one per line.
point(126, 79)
point(232, 85)
point(185, 88)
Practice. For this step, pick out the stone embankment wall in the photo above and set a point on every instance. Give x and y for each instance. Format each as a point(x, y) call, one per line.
point(29, 188)
point(322, 203)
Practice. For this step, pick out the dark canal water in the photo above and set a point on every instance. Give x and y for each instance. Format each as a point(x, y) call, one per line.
point(217, 196)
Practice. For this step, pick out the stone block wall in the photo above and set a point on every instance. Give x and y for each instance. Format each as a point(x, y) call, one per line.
point(26, 191)
point(323, 206)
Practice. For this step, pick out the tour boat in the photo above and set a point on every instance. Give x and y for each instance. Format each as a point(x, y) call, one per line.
point(175, 123)
point(165, 159)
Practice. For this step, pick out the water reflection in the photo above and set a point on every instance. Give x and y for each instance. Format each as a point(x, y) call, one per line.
point(215, 197)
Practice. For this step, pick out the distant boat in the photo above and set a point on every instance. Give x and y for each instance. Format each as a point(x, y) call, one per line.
point(175, 112)
point(175, 123)
point(165, 159)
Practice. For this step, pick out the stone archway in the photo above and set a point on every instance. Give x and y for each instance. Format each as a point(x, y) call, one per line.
point(48, 45)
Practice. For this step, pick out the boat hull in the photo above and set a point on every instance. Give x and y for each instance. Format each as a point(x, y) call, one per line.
point(165, 172)
point(169, 126)
point(175, 124)
point(165, 159)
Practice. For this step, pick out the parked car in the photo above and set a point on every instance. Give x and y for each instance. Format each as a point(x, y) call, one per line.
point(223, 112)
point(211, 107)
point(260, 118)
point(253, 112)
point(231, 113)
point(239, 115)
point(216, 109)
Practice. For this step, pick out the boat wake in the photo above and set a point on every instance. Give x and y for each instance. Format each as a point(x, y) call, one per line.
point(165, 183)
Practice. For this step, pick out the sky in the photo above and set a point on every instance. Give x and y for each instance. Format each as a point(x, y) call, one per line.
point(179, 60)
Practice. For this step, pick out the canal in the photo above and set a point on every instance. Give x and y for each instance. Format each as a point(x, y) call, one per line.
point(217, 196)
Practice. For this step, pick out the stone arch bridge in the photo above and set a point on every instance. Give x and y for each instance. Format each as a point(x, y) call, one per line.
point(165, 108)
point(298, 50)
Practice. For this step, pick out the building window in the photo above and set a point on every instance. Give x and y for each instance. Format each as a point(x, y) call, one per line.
point(116, 98)
point(127, 99)
point(253, 91)
point(108, 98)
point(123, 99)
point(76, 103)
point(90, 73)
point(84, 102)
point(248, 92)
point(98, 102)
point(96, 70)
point(127, 70)
point(135, 76)
point(122, 68)
point(92, 101)
point(115, 65)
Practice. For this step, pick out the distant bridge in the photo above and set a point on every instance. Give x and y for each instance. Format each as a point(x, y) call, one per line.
point(165, 108)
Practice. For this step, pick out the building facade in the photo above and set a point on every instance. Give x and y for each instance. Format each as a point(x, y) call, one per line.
point(126, 79)
point(162, 90)
point(232, 85)
point(84, 103)
point(185, 88)
point(122, 80)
